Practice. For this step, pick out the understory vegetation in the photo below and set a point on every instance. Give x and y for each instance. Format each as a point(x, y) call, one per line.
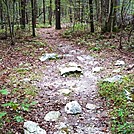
point(97, 41)
point(119, 100)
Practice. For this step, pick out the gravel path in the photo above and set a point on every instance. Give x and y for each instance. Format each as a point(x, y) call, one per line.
point(93, 119)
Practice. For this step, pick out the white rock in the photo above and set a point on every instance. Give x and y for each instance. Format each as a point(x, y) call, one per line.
point(49, 56)
point(40, 48)
point(61, 125)
point(70, 68)
point(31, 127)
point(90, 106)
point(52, 116)
point(119, 63)
point(97, 69)
point(80, 58)
point(65, 91)
point(116, 70)
point(26, 80)
point(73, 108)
point(113, 79)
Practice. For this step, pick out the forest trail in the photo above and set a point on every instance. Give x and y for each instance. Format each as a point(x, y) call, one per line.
point(56, 90)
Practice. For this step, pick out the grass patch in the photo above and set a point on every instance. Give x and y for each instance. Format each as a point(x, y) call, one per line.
point(121, 108)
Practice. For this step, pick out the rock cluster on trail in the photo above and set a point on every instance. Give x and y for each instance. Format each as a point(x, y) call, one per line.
point(31, 127)
point(52, 116)
point(73, 107)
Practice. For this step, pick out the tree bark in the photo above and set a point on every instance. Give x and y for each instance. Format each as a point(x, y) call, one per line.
point(22, 20)
point(33, 18)
point(44, 11)
point(57, 12)
point(91, 15)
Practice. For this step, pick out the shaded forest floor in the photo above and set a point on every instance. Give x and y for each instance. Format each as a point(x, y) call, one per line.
point(21, 71)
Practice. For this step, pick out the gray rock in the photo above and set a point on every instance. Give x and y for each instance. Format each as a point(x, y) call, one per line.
point(90, 106)
point(113, 79)
point(97, 69)
point(49, 56)
point(70, 68)
point(31, 127)
point(73, 108)
point(26, 80)
point(119, 63)
point(52, 116)
point(116, 70)
point(128, 95)
point(65, 91)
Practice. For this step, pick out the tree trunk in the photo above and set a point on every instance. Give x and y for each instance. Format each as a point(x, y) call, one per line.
point(33, 18)
point(22, 20)
point(44, 11)
point(57, 12)
point(91, 15)
point(50, 13)
point(1, 15)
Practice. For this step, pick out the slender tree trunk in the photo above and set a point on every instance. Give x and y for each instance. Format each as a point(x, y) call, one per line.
point(1, 15)
point(91, 15)
point(44, 11)
point(33, 18)
point(11, 26)
point(50, 13)
point(22, 21)
point(57, 11)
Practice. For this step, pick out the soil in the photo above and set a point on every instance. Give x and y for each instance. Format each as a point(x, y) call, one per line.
point(83, 88)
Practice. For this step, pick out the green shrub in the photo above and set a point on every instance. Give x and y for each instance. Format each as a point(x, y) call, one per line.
point(119, 105)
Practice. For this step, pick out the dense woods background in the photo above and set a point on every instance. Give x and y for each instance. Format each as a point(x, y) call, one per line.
point(100, 15)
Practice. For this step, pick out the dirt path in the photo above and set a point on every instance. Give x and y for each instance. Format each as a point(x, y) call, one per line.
point(83, 89)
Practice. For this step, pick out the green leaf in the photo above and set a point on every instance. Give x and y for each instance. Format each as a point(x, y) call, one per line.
point(19, 118)
point(2, 114)
point(33, 103)
point(4, 92)
point(25, 107)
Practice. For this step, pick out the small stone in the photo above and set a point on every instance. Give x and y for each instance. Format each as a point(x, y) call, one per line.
point(119, 63)
point(31, 127)
point(61, 125)
point(26, 80)
point(132, 90)
point(97, 69)
point(65, 91)
point(90, 106)
point(116, 70)
point(80, 58)
point(113, 79)
point(40, 49)
point(52, 116)
point(73, 108)
point(49, 56)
